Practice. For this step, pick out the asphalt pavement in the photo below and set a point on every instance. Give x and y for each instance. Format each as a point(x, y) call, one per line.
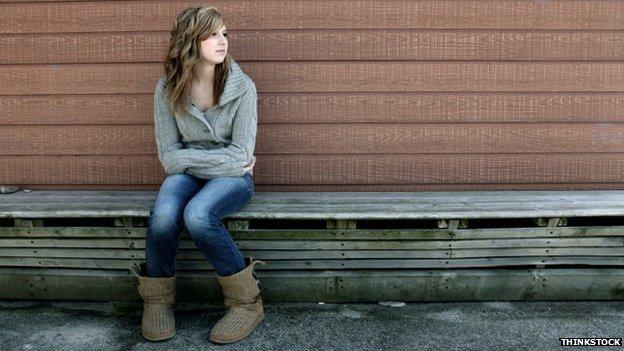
point(81, 326)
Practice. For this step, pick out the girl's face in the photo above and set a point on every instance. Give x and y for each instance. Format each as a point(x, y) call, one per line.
point(214, 48)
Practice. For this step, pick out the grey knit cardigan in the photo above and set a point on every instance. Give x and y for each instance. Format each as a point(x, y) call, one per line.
point(215, 143)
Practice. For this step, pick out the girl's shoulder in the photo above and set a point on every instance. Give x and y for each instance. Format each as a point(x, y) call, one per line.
point(160, 85)
point(250, 86)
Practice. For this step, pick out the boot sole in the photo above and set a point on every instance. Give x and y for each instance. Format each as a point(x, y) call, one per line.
point(246, 334)
point(159, 337)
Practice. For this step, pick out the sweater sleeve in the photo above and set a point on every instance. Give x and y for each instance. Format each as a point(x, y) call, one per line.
point(165, 131)
point(229, 160)
point(226, 169)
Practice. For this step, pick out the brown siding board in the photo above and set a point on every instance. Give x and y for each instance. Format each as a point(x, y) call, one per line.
point(477, 44)
point(102, 16)
point(388, 138)
point(349, 45)
point(356, 107)
point(396, 169)
point(77, 140)
point(435, 187)
point(355, 187)
point(77, 109)
point(442, 107)
point(329, 76)
point(83, 47)
point(437, 76)
point(344, 138)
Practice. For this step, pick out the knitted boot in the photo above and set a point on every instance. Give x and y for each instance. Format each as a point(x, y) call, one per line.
point(242, 296)
point(158, 294)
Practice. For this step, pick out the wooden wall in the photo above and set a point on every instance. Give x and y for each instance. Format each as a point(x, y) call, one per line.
point(353, 95)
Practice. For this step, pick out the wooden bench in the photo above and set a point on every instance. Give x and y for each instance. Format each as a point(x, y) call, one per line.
point(331, 246)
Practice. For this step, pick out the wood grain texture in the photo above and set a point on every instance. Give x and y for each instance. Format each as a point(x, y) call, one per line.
point(260, 188)
point(340, 205)
point(474, 232)
point(440, 247)
point(311, 77)
point(345, 138)
point(195, 255)
point(79, 109)
point(354, 107)
point(412, 264)
point(409, 170)
point(326, 44)
point(102, 16)
point(382, 96)
point(342, 286)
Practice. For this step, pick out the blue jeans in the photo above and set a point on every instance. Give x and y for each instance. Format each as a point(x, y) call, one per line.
point(199, 205)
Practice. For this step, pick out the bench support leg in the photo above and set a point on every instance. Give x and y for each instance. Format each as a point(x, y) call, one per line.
point(340, 224)
point(551, 222)
point(238, 225)
point(29, 222)
point(129, 222)
point(453, 224)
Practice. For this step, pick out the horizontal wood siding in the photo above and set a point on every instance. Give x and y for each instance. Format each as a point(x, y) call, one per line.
point(353, 95)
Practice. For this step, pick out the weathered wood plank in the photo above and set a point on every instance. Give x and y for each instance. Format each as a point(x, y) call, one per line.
point(487, 285)
point(6, 244)
point(328, 234)
point(328, 264)
point(426, 244)
point(337, 205)
point(331, 286)
point(190, 254)
point(49, 196)
point(325, 211)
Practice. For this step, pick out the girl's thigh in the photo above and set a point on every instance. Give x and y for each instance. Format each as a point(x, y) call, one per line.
point(175, 192)
point(221, 196)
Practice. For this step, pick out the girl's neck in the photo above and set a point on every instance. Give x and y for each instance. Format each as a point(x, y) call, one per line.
point(204, 74)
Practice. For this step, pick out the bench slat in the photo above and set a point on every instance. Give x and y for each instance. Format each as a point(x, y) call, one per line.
point(328, 234)
point(483, 284)
point(6, 244)
point(190, 254)
point(328, 264)
point(333, 205)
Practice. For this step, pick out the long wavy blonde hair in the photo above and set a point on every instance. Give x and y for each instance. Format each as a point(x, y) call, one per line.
point(191, 27)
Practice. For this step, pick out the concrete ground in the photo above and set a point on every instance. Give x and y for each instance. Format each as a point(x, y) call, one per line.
point(83, 326)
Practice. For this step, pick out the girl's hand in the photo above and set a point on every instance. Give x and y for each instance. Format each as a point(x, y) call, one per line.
point(250, 166)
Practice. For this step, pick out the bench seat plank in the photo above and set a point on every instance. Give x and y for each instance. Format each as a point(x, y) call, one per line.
point(332, 205)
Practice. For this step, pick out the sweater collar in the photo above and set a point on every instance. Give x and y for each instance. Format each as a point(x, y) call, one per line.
point(234, 84)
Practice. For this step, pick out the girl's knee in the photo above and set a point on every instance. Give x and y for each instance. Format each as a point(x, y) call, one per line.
point(178, 177)
point(162, 227)
point(201, 220)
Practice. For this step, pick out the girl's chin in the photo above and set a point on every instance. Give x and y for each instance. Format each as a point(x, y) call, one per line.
point(215, 60)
